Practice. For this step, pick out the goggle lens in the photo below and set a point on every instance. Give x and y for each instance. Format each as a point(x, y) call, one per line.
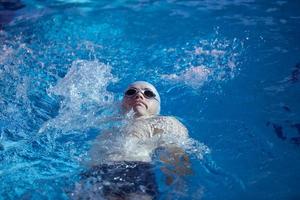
point(147, 93)
point(130, 92)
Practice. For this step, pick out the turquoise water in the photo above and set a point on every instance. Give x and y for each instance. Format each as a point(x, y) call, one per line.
point(229, 70)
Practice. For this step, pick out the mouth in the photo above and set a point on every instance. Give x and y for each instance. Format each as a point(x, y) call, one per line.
point(139, 103)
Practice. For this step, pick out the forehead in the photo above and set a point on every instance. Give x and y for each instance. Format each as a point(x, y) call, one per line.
point(141, 86)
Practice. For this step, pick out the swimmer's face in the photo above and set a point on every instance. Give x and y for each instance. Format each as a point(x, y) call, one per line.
point(142, 98)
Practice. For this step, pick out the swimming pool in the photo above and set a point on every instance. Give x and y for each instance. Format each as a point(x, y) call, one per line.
point(229, 70)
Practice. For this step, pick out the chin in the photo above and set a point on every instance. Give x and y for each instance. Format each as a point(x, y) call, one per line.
point(140, 112)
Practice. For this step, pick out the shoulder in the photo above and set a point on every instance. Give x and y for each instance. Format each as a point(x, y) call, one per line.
point(178, 127)
point(171, 119)
point(178, 124)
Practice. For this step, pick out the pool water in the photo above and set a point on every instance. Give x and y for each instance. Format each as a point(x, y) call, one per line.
point(229, 70)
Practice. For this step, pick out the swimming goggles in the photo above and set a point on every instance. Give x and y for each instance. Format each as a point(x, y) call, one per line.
point(146, 92)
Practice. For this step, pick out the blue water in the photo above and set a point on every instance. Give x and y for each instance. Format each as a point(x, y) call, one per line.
point(229, 70)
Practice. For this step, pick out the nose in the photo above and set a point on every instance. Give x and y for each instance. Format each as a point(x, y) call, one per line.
point(139, 95)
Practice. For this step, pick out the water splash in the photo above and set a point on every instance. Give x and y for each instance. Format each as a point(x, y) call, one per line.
point(194, 76)
point(214, 61)
point(83, 95)
point(137, 140)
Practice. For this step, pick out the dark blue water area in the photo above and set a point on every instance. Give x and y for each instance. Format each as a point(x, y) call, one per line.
point(229, 70)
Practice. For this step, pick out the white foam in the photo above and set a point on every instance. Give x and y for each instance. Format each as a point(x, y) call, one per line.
point(83, 91)
point(193, 76)
point(6, 53)
point(135, 141)
point(209, 60)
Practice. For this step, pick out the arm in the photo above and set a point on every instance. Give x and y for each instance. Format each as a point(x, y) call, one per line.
point(175, 161)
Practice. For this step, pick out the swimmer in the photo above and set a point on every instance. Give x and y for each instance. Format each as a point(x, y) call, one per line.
point(122, 160)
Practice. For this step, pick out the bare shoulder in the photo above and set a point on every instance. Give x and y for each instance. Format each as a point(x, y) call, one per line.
point(172, 122)
point(178, 125)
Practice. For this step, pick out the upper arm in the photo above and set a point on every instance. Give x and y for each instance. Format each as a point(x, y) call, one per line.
point(179, 128)
point(174, 135)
